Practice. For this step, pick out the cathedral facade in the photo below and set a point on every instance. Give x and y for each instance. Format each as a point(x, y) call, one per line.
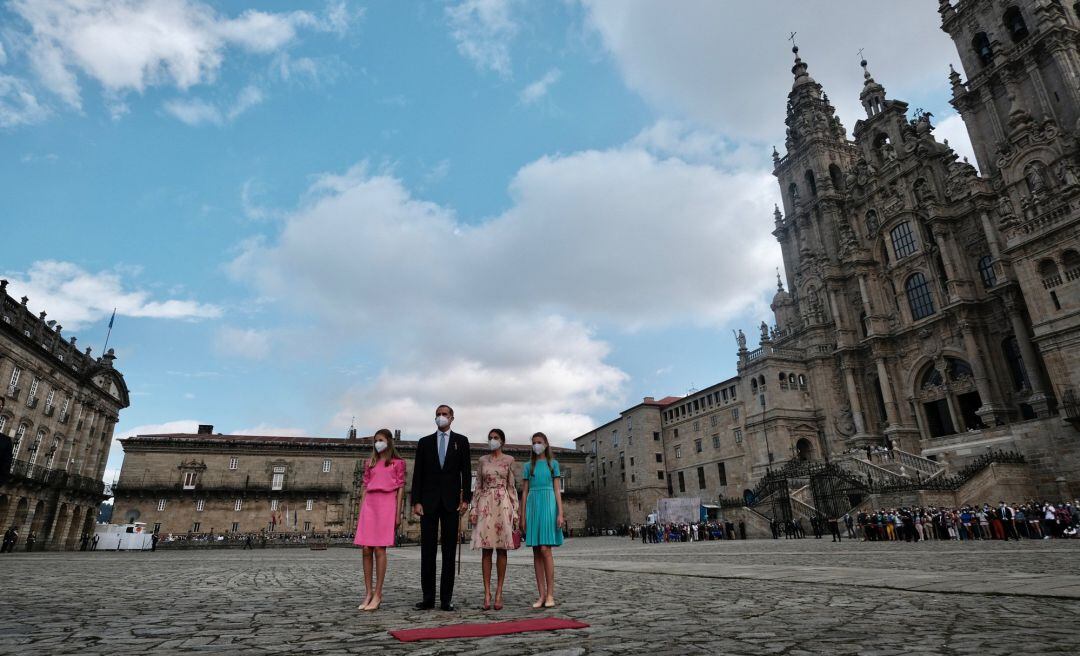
point(925, 307)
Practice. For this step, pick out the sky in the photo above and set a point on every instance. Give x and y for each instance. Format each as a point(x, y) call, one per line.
point(308, 214)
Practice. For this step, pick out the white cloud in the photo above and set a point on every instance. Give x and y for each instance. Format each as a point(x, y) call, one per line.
point(539, 88)
point(76, 297)
point(130, 45)
point(246, 343)
point(727, 65)
point(499, 316)
point(116, 450)
point(267, 429)
point(196, 111)
point(18, 104)
point(952, 129)
point(483, 31)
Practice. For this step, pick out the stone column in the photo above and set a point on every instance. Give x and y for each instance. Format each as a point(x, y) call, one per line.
point(892, 417)
point(991, 412)
point(1038, 399)
point(853, 401)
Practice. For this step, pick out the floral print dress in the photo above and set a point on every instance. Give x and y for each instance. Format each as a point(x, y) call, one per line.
point(495, 503)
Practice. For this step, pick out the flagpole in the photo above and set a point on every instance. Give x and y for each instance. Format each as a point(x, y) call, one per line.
point(105, 348)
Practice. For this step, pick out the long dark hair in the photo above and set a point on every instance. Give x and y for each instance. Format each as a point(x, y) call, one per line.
point(547, 454)
point(391, 455)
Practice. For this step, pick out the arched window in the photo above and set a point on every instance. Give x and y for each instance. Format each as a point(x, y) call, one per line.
point(20, 434)
point(986, 271)
point(810, 183)
point(36, 448)
point(1071, 261)
point(761, 381)
point(802, 381)
point(932, 378)
point(791, 380)
point(980, 43)
point(753, 385)
point(1048, 271)
point(871, 223)
point(793, 193)
point(837, 177)
point(919, 299)
point(783, 381)
point(903, 241)
point(1014, 23)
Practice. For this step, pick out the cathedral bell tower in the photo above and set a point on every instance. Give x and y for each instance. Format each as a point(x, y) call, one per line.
point(812, 185)
point(1021, 105)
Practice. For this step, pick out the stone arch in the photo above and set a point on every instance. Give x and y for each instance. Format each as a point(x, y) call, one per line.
point(980, 44)
point(38, 523)
point(61, 526)
point(836, 177)
point(811, 183)
point(74, 530)
point(804, 449)
point(1014, 24)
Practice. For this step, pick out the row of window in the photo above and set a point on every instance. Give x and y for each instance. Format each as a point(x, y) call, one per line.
point(234, 463)
point(699, 444)
point(721, 473)
point(32, 395)
point(200, 505)
point(196, 527)
point(718, 397)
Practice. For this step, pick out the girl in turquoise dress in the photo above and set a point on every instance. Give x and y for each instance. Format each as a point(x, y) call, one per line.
point(542, 522)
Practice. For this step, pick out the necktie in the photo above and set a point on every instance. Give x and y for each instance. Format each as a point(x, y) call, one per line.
point(442, 449)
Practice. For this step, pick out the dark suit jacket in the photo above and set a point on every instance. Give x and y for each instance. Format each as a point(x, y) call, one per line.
point(434, 486)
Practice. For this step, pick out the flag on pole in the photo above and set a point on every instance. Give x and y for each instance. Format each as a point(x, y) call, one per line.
point(112, 318)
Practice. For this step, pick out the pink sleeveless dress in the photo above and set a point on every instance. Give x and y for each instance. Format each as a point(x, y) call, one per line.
point(378, 510)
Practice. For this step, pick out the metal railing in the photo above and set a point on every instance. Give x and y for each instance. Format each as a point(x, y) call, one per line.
point(56, 478)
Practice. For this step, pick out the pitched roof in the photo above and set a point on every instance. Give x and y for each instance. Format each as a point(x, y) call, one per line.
point(294, 440)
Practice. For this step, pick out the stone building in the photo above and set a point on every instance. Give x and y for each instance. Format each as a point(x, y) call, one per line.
point(59, 407)
point(206, 482)
point(924, 306)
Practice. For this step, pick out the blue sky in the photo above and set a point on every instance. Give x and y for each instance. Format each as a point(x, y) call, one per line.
point(308, 212)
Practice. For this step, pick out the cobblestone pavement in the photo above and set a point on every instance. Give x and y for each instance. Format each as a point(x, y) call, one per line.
point(755, 597)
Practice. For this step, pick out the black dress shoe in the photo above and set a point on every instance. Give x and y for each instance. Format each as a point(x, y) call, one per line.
point(423, 605)
point(446, 606)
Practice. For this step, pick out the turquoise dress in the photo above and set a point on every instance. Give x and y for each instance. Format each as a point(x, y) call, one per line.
point(541, 511)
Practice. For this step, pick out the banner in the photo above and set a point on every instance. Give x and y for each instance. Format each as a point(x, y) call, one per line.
point(679, 510)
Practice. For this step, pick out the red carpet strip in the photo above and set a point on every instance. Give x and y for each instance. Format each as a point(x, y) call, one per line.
point(486, 629)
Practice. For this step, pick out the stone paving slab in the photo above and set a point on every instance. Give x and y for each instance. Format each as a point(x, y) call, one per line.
point(756, 597)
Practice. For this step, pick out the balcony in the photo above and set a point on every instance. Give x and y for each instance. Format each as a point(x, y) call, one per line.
point(32, 402)
point(13, 392)
point(64, 417)
point(22, 471)
point(49, 409)
point(229, 484)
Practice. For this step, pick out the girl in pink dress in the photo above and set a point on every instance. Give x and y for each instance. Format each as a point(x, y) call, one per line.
point(380, 513)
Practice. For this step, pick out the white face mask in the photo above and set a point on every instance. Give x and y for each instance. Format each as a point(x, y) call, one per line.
point(538, 448)
point(380, 446)
point(442, 421)
point(494, 444)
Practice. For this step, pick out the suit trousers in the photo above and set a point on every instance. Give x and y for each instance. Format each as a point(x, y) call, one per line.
point(439, 527)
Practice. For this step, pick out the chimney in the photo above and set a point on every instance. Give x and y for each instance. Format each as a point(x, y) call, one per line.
point(649, 399)
point(206, 429)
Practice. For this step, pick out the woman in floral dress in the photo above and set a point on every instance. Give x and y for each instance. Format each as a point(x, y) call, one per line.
point(495, 512)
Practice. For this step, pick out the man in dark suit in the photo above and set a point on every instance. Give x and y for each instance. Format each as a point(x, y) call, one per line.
point(441, 491)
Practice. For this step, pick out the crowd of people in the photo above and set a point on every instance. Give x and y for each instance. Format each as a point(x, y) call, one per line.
point(686, 532)
point(1031, 520)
